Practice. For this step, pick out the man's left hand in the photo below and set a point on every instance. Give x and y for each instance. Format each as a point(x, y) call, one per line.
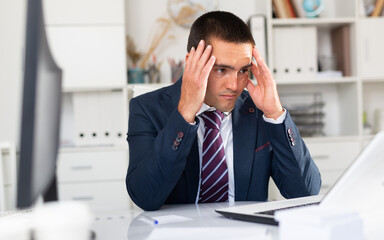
point(264, 94)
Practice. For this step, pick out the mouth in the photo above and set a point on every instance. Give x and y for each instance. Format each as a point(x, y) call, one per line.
point(228, 96)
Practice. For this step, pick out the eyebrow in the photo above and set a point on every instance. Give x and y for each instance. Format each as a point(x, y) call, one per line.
point(232, 67)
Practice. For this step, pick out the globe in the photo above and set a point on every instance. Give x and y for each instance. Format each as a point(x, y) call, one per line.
point(313, 8)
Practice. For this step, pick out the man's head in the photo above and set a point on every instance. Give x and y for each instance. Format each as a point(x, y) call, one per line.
point(232, 45)
point(222, 25)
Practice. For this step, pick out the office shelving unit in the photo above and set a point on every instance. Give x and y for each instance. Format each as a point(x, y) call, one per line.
point(88, 42)
point(346, 98)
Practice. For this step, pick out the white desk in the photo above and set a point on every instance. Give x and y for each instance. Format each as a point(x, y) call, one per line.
point(202, 223)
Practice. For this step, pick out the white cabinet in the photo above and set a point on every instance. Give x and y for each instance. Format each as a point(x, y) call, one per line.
point(332, 156)
point(99, 196)
point(95, 176)
point(85, 12)
point(90, 56)
point(87, 40)
point(96, 165)
point(371, 46)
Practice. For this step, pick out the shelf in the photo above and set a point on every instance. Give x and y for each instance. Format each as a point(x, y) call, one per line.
point(380, 18)
point(327, 22)
point(317, 81)
point(93, 89)
point(158, 85)
point(328, 139)
point(373, 80)
point(93, 148)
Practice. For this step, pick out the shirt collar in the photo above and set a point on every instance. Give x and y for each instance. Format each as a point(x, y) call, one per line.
point(205, 107)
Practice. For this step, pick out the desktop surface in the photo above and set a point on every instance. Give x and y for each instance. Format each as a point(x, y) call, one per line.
point(187, 221)
point(191, 221)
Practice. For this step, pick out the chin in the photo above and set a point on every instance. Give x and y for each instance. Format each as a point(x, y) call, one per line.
point(226, 108)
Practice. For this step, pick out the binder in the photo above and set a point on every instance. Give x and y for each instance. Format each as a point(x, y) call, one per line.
point(279, 51)
point(80, 118)
point(93, 123)
point(86, 121)
point(290, 9)
point(341, 47)
point(280, 9)
point(99, 118)
point(116, 113)
point(257, 25)
point(106, 125)
point(298, 6)
point(378, 8)
point(295, 53)
point(309, 53)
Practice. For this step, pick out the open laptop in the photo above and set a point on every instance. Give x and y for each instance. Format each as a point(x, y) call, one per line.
point(360, 189)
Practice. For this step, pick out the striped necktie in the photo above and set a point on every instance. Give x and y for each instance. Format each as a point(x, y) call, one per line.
point(214, 172)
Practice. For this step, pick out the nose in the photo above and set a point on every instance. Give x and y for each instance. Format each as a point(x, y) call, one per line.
point(232, 82)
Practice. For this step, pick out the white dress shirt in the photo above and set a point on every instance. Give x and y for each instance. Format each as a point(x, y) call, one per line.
point(227, 136)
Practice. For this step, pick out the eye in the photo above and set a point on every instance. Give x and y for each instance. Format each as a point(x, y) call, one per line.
point(245, 70)
point(220, 70)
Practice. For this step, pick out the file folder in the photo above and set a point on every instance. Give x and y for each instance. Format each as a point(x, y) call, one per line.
point(257, 25)
point(295, 53)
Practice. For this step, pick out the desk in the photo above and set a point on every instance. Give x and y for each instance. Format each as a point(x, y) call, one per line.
point(202, 222)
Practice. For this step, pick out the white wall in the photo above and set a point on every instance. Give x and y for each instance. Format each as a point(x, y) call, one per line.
point(141, 19)
point(12, 25)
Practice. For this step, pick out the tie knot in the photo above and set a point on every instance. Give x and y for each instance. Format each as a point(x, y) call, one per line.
point(213, 119)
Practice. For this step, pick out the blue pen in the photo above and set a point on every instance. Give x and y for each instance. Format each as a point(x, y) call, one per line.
point(148, 219)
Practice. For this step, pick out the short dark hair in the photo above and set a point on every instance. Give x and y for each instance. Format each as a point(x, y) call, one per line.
point(223, 25)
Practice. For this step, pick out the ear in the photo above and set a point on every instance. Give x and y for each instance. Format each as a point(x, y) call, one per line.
point(186, 57)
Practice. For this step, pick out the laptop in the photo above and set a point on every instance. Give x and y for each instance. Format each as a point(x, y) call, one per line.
point(360, 189)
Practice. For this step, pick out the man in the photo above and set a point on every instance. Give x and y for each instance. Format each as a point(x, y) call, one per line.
point(205, 138)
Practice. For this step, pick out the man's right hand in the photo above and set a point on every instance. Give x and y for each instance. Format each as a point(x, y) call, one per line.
point(197, 69)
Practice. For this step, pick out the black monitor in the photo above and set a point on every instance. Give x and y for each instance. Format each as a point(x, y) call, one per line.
point(40, 116)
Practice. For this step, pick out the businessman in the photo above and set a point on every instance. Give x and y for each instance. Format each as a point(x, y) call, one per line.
point(206, 138)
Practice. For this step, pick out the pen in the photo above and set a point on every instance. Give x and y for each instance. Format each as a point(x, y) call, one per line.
point(148, 219)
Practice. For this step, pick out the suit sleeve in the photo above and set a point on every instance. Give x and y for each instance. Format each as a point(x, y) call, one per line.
point(157, 157)
point(293, 169)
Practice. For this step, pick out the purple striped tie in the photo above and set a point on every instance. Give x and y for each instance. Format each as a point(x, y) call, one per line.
point(214, 172)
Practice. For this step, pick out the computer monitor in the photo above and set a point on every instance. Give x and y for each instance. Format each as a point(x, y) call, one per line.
point(40, 117)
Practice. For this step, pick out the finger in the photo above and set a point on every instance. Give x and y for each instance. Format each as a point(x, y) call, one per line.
point(256, 72)
point(188, 61)
point(207, 68)
point(261, 63)
point(255, 68)
point(204, 58)
point(199, 52)
point(250, 86)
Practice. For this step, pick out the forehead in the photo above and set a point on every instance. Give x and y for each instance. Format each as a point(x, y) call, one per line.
point(230, 53)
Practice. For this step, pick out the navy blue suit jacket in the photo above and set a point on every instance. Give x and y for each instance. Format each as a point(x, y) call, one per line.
point(161, 171)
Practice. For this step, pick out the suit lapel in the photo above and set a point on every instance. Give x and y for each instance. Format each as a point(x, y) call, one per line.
point(244, 126)
point(171, 98)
